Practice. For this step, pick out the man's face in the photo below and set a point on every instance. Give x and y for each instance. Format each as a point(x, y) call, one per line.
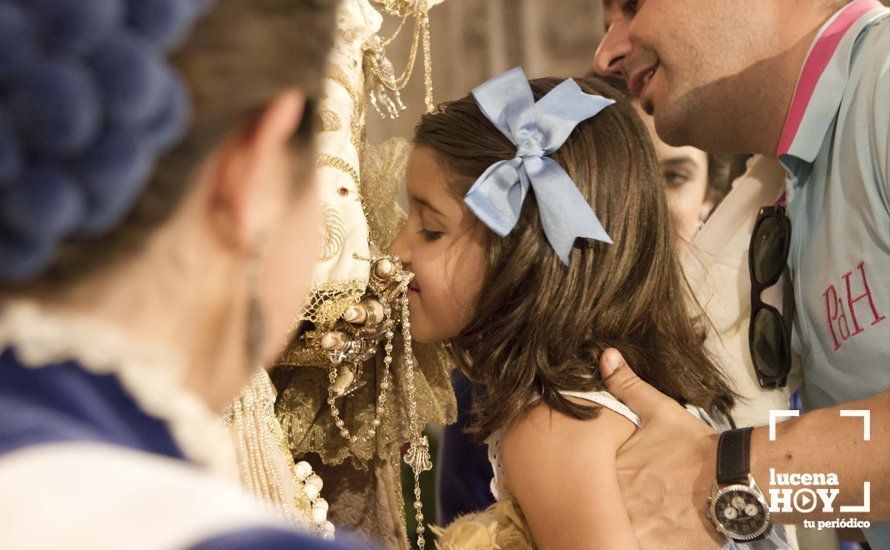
point(679, 57)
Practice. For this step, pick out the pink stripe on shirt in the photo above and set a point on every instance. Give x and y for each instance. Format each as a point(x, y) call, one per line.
point(815, 64)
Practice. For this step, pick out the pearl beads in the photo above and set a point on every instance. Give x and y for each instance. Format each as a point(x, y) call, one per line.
point(384, 268)
point(327, 530)
point(302, 470)
point(311, 491)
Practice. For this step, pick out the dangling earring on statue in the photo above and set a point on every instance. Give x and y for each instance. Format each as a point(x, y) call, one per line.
point(255, 324)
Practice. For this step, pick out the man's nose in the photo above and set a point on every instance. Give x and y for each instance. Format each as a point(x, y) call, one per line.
point(613, 49)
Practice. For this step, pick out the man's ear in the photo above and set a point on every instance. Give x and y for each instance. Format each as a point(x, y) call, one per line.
point(242, 185)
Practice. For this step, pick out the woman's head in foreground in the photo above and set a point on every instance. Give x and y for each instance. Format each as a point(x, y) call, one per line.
point(520, 321)
point(159, 151)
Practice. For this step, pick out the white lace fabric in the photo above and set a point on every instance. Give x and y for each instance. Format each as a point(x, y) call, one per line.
point(152, 377)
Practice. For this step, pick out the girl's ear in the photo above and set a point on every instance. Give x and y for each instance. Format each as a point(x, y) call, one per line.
point(240, 177)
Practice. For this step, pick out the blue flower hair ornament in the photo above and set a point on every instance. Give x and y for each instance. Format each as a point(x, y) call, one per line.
point(538, 129)
point(88, 102)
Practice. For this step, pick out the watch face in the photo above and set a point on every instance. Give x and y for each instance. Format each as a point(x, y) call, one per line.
point(740, 512)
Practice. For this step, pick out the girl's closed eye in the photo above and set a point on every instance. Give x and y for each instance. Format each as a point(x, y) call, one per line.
point(429, 235)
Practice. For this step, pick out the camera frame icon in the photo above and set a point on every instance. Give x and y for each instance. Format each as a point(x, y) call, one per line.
point(775, 415)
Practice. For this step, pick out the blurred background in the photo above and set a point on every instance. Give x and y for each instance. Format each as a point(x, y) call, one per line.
point(473, 40)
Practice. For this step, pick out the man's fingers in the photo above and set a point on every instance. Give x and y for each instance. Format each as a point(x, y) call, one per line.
point(630, 389)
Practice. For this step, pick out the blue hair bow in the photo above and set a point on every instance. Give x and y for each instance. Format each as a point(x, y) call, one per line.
point(537, 130)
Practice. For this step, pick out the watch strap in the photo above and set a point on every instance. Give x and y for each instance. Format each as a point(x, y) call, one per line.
point(734, 456)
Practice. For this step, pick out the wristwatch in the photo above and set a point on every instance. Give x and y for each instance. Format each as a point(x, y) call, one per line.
point(737, 506)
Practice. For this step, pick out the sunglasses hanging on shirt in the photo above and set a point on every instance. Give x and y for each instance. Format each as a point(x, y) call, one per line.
point(769, 332)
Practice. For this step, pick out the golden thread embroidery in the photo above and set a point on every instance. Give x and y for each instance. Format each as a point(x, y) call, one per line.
point(357, 127)
point(334, 234)
point(330, 122)
point(337, 163)
point(330, 161)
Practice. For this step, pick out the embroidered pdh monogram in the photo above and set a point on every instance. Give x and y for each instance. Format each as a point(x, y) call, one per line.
point(838, 307)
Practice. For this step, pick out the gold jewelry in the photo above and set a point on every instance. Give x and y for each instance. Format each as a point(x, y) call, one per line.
point(345, 346)
point(362, 345)
point(255, 323)
point(251, 417)
point(418, 456)
point(384, 87)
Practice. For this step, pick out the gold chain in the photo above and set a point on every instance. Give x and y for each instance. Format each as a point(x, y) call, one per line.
point(398, 84)
point(398, 30)
point(418, 456)
point(427, 63)
point(421, 39)
point(381, 397)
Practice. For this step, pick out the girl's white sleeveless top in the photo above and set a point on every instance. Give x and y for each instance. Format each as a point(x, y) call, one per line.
point(603, 398)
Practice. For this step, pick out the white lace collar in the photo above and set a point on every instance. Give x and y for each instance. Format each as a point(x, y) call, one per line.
point(152, 377)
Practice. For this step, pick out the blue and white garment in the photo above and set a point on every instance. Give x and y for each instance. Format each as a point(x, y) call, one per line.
point(836, 150)
point(102, 447)
point(777, 539)
point(835, 146)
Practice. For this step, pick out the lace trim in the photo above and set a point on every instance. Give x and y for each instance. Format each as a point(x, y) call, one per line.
point(152, 377)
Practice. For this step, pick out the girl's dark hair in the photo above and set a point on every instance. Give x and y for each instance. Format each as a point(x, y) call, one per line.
point(539, 327)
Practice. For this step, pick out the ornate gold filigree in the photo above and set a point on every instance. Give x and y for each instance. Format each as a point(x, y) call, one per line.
point(329, 299)
point(396, 7)
point(382, 169)
point(309, 427)
point(337, 163)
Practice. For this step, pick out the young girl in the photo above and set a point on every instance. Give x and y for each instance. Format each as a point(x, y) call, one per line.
point(499, 188)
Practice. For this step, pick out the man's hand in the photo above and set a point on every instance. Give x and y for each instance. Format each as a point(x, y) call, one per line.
point(666, 469)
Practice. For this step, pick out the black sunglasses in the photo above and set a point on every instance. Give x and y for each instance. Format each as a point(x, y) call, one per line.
point(769, 332)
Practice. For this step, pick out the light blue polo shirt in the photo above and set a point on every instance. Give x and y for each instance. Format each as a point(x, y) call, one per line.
point(836, 150)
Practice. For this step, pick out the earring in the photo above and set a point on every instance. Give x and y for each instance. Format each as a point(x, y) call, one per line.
point(255, 324)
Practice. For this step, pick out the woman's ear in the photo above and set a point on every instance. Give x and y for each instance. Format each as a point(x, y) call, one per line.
point(707, 206)
point(252, 170)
